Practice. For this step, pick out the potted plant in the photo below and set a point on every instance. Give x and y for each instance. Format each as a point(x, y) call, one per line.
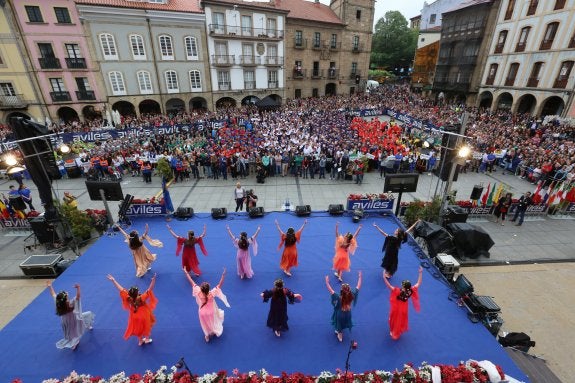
point(427, 211)
point(79, 221)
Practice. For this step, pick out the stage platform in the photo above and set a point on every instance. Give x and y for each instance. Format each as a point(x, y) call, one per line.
point(440, 334)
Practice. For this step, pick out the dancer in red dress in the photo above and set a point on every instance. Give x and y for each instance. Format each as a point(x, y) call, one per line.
point(189, 257)
point(289, 255)
point(344, 246)
point(141, 308)
point(398, 311)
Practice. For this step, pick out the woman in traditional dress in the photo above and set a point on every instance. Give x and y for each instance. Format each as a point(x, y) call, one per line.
point(502, 206)
point(280, 297)
point(143, 258)
point(211, 316)
point(189, 257)
point(342, 302)
point(243, 259)
point(141, 307)
point(289, 255)
point(398, 311)
point(391, 247)
point(344, 246)
point(74, 321)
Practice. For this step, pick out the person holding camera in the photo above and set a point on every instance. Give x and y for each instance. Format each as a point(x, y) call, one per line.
point(251, 200)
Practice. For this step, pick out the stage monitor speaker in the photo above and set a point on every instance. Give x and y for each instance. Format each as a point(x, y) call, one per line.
point(476, 192)
point(302, 210)
point(335, 209)
point(45, 232)
point(256, 212)
point(184, 213)
point(219, 212)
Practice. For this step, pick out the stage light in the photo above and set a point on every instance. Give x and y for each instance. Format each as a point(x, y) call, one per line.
point(15, 169)
point(464, 151)
point(10, 160)
point(425, 144)
point(357, 215)
point(64, 149)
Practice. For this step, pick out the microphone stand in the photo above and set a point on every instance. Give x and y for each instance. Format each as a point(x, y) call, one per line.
point(352, 346)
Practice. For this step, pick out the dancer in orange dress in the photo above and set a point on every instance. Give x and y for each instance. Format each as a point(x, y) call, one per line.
point(398, 311)
point(344, 246)
point(289, 255)
point(141, 308)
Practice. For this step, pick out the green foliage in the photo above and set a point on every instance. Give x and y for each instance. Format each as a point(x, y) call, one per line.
point(427, 211)
point(79, 221)
point(380, 75)
point(164, 169)
point(393, 42)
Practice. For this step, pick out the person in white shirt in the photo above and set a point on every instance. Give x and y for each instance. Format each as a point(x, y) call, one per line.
point(239, 196)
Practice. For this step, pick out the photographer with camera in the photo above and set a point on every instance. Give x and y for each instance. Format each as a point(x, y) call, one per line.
point(251, 200)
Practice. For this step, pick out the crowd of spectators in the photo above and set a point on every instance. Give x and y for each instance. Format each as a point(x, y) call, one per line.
point(316, 137)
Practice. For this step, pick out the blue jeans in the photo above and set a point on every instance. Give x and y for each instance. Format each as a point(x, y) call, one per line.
point(518, 213)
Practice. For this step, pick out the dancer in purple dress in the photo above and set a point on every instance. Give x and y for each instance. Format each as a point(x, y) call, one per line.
point(74, 321)
point(211, 316)
point(243, 259)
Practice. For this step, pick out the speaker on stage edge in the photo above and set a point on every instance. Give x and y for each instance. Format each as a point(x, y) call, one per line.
point(335, 209)
point(256, 212)
point(184, 213)
point(219, 212)
point(302, 210)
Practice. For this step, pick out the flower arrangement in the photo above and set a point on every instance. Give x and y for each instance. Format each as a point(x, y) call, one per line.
point(371, 197)
point(153, 200)
point(466, 372)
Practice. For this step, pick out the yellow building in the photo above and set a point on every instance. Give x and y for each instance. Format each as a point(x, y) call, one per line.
point(18, 92)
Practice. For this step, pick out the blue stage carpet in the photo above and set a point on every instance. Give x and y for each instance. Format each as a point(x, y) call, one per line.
point(440, 334)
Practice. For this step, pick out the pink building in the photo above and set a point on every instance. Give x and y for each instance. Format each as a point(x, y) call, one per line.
point(58, 49)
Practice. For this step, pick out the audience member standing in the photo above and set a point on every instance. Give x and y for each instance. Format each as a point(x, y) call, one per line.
point(524, 202)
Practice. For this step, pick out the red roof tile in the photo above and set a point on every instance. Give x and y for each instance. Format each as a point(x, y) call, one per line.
point(172, 5)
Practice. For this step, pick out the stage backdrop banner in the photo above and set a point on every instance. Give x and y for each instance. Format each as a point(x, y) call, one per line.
point(14, 223)
point(370, 204)
point(147, 209)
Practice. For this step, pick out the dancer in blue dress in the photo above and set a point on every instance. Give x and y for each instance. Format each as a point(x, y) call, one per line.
point(341, 317)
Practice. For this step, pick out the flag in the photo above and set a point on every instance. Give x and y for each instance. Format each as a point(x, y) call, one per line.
point(560, 194)
point(553, 195)
point(570, 197)
point(537, 197)
point(498, 193)
point(484, 197)
point(548, 192)
point(490, 199)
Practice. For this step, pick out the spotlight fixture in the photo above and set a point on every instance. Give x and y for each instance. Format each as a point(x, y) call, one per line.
point(64, 149)
point(464, 151)
point(15, 169)
point(10, 160)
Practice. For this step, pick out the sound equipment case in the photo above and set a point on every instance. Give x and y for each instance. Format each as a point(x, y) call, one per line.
point(42, 265)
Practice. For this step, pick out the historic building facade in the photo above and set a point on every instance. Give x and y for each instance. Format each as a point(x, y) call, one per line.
point(19, 95)
point(466, 35)
point(151, 54)
point(60, 59)
point(246, 47)
point(531, 58)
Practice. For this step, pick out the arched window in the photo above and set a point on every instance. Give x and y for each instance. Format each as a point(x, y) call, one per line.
point(563, 75)
point(491, 74)
point(145, 82)
point(117, 83)
point(549, 36)
point(108, 45)
point(522, 42)
point(172, 81)
point(501, 41)
point(195, 80)
point(512, 74)
point(509, 11)
point(166, 47)
point(137, 45)
point(191, 48)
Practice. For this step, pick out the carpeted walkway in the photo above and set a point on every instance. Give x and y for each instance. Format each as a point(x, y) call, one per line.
point(440, 333)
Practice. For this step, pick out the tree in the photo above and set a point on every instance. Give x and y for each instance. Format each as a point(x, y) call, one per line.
point(393, 43)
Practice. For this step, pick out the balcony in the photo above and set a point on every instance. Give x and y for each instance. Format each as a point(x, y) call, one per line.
point(334, 46)
point(299, 43)
point(357, 48)
point(299, 74)
point(545, 45)
point(316, 73)
point(76, 63)
point(273, 84)
point(332, 73)
point(520, 47)
point(12, 102)
point(49, 63)
point(249, 85)
point(532, 82)
point(85, 95)
point(490, 80)
point(224, 85)
point(60, 96)
point(274, 61)
point(560, 83)
point(509, 81)
point(353, 74)
point(316, 45)
point(223, 60)
point(247, 60)
point(243, 32)
point(499, 48)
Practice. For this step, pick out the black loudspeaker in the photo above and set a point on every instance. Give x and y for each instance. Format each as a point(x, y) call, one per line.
point(454, 213)
point(45, 232)
point(125, 205)
point(448, 154)
point(184, 213)
point(219, 212)
point(476, 192)
point(302, 210)
point(335, 209)
point(256, 212)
